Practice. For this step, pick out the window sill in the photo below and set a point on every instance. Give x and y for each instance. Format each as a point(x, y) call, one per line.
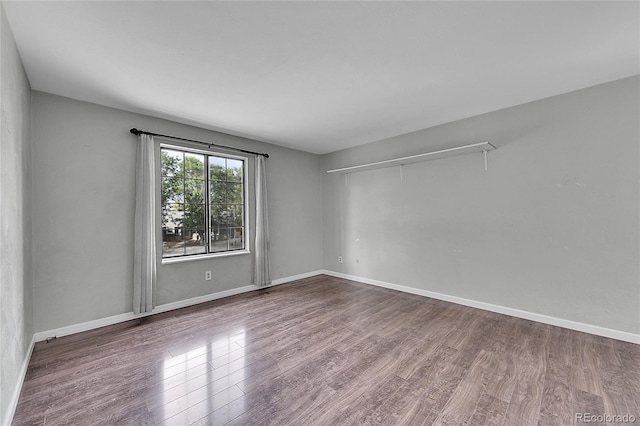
point(171, 260)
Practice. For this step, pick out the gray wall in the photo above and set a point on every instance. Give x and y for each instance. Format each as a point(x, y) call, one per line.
point(83, 208)
point(16, 301)
point(552, 227)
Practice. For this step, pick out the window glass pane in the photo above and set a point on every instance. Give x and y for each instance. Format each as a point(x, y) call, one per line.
point(172, 215)
point(236, 238)
point(227, 216)
point(234, 170)
point(194, 165)
point(172, 243)
point(219, 239)
point(195, 242)
point(234, 193)
point(219, 216)
point(172, 162)
point(217, 192)
point(194, 191)
point(172, 190)
point(194, 217)
point(217, 168)
point(237, 218)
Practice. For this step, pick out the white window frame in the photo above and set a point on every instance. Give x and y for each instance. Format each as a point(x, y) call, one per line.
point(192, 257)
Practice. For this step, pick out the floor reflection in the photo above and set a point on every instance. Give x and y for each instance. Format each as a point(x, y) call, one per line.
point(201, 380)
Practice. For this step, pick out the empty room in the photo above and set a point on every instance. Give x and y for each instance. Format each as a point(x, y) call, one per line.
point(320, 213)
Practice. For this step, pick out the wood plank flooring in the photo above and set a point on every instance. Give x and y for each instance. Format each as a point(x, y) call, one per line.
point(326, 351)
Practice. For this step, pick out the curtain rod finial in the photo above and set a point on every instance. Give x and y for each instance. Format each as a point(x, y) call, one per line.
point(135, 131)
point(266, 155)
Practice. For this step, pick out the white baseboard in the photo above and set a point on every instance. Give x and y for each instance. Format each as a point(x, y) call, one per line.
point(573, 325)
point(201, 299)
point(13, 403)
point(296, 277)
point(90, 325)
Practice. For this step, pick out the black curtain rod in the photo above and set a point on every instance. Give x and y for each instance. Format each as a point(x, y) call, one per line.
point(209, 144)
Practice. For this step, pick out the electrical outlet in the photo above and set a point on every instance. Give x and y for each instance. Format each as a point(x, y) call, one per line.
point(207, 276)
point(339, 259)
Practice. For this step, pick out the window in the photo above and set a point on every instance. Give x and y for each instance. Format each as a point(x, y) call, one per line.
point(203, 203)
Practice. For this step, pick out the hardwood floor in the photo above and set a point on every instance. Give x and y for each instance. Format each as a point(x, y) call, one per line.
point(326, 351)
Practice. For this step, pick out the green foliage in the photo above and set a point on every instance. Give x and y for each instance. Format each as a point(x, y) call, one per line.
point(183, 191)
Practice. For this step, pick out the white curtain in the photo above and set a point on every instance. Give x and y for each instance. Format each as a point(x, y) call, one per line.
point(144, 262)
point(263, 271)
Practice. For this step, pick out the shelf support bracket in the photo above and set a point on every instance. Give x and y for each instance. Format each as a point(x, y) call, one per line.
point(485, 152)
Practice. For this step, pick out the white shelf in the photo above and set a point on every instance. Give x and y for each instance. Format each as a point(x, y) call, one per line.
point(483, 147)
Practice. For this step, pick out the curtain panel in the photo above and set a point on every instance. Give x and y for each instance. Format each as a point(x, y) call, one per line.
point(262, 276)
point(144, 262)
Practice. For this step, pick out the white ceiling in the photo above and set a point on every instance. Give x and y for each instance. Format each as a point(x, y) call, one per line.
point(322, 76)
